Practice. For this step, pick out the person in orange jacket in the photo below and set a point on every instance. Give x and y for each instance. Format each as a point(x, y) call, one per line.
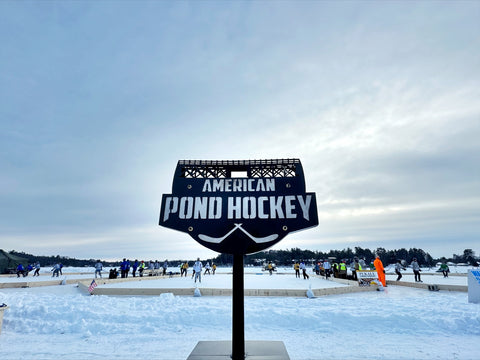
point(380, 270)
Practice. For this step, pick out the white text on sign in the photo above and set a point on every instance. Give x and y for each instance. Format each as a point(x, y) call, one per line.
point(248, 207)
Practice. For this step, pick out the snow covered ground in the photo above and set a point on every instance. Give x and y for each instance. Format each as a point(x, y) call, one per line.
point(61, 322)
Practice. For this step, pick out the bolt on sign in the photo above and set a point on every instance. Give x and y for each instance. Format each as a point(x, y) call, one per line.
point(238, 206)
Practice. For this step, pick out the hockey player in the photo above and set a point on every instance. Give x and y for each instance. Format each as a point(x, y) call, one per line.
point(416, 270)
point(398, 267)
point(197, 267)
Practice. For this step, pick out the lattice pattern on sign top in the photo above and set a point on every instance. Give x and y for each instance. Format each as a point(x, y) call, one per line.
point(223, 168)
point(276, 171)
point(203, 172)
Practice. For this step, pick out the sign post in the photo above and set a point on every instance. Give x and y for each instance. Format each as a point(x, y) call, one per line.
point(238, 313)
point(238, 207)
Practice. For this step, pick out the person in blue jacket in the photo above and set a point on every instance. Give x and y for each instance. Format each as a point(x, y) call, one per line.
point(123, 268)
point(29, 268)
point(134, 267)
point(127, 270)
point(20, 270)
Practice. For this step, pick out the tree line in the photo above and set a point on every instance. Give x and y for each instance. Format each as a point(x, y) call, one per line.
point(285, 257)
point(57, 259)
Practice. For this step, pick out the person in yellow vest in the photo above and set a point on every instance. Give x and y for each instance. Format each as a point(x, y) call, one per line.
point(141, 268)
point(296, 267)
point(214, 267)
point(335, 269)
point(380, 270)
point(342, 271)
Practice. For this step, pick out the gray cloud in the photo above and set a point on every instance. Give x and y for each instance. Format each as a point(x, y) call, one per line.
point(98, 102)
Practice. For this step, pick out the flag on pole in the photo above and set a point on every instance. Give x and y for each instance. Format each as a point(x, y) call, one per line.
point(92, 286)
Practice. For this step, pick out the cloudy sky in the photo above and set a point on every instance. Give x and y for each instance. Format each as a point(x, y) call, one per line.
point(99, 100)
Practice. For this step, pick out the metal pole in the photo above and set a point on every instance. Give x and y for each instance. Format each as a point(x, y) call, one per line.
point(238, 316)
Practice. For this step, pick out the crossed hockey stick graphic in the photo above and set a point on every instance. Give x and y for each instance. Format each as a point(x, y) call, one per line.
point(218, 240)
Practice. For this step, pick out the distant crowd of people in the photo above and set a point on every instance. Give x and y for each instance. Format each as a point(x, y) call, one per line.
point(330, 267)
point(197, 269)
point(127, 267)
point(153, 268)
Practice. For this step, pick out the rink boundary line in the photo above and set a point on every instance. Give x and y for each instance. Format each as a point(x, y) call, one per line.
point(428, 274)
point(83, 285)
point(425, 286)
point(29, 284)
point(445, 287)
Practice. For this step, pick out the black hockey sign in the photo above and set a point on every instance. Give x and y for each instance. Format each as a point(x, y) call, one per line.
point(239, 206)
